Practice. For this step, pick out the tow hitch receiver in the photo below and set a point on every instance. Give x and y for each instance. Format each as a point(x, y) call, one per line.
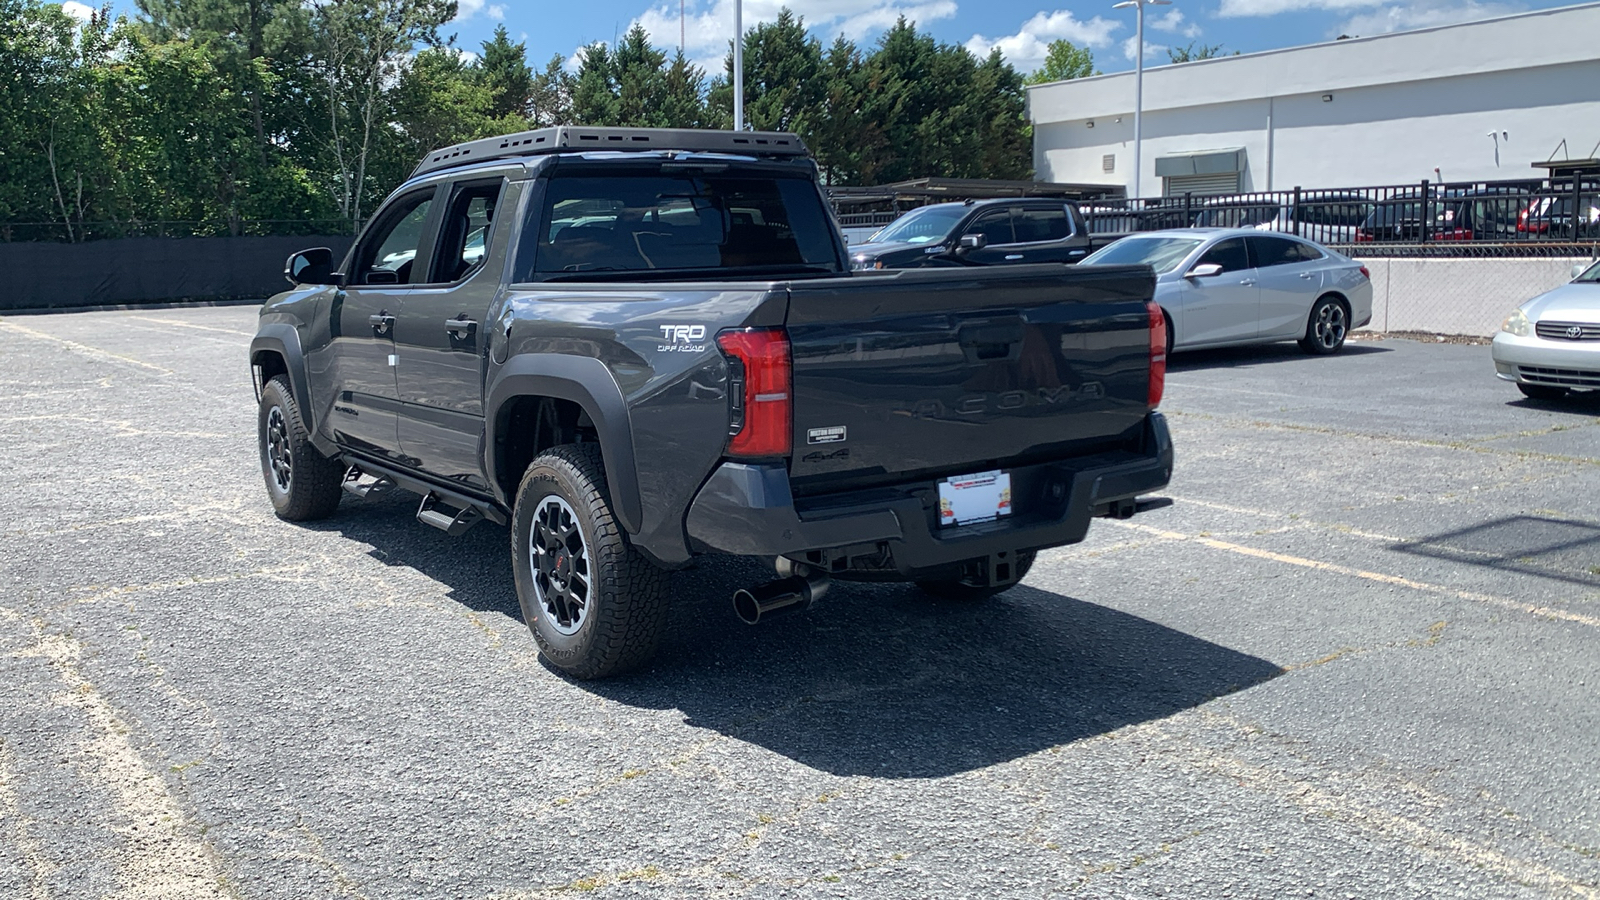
point(1127, 509)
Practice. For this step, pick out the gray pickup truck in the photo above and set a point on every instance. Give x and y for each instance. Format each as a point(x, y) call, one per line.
point(635, 346)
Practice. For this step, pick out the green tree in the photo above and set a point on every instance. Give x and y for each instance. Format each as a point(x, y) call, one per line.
point(506, 76)
point(363, 48)
point(1196, 52)
point(550, 100)
point(846, 141)
point(1063, 61)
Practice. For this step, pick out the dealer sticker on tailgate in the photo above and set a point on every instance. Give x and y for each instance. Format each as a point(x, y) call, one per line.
point(974, 498)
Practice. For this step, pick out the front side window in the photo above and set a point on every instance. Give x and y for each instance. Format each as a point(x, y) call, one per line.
point(641, 220)
point(1037, 226)
point(995, 227)
point(1229, 254)
point(388, 254)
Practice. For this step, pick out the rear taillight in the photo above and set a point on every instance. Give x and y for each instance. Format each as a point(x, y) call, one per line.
point(760, 401)
point(1158, 354)
point(1366, 274)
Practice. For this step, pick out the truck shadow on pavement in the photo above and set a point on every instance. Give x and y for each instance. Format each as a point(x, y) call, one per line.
point(876, 679)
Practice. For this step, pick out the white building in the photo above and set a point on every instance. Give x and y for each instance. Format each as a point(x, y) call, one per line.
point(1472, 102)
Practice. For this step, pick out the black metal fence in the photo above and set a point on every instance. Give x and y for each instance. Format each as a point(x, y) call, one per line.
point(82, 232)
point(1501, 214)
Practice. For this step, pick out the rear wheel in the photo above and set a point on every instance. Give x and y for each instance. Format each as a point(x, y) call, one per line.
point(595, 604)
point(1327, 326)
point(972, 588)
point(1541, 391)
point(302, 483)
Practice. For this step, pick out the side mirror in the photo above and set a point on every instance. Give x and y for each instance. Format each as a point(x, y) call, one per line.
point(314, 266)
point(1204, 270)
point(971, 242)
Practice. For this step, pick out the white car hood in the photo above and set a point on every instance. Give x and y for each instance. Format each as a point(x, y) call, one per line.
point(1568, 303)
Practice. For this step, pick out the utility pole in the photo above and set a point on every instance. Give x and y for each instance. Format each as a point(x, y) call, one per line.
point(738, 65)
point(1138, 87)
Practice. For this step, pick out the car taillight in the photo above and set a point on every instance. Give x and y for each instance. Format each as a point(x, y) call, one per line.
point(1158, 354)
point(760, 400)
point(1363, 237)
point(1366, 274)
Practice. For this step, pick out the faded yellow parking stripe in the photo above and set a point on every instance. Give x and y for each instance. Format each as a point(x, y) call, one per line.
point(84, 349)
point(1490, 599)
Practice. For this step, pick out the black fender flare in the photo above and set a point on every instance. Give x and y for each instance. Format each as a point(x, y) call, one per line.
point(284, 340)
point(587, 382)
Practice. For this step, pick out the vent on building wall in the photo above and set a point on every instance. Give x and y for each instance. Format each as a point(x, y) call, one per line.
point(1108, 163)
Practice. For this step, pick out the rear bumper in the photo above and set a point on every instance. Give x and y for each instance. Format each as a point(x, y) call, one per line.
point(748, 510)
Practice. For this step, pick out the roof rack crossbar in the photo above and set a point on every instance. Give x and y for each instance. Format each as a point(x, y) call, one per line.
point(574, 137)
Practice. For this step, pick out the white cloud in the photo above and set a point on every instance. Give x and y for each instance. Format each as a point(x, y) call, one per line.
point(77, 10)
point(1425, 13)
point(1130, 51)
point(497, 12)
point(466, 9)
point(1027, 48)
point(1175, 23)
point(707, 25)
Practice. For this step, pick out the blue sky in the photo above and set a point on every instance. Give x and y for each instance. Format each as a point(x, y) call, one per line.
point(1020, 28)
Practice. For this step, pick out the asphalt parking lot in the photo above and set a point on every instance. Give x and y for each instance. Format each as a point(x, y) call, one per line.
point(1358, 658)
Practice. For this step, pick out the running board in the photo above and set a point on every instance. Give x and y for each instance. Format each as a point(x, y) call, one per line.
point(456, 524)
point(354, 486)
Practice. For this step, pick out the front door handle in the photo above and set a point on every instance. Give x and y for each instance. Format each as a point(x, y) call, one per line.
point(1308, 275)
point(1248, 281)
point(460, 326)
point(1011, 256)
point(382, 322)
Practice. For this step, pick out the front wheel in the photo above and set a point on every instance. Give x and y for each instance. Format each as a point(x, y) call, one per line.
point(595, 604)
point(302, 483)
point(1327, 326)
point(1541, 391)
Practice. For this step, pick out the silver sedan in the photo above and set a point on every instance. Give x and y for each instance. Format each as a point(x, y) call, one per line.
point(1551, 344)
point(1224, 287)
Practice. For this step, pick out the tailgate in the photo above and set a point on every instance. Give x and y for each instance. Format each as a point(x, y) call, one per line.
point(927, 372)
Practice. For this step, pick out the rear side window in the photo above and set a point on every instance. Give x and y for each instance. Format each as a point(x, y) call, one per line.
point(1275, 251)
point(1041, 225)
point(639, 220)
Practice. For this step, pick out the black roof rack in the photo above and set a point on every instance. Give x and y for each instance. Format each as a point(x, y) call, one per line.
point(575, 137)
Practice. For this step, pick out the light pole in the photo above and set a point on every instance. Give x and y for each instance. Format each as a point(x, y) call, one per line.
point(738, 65)
point(1138, 87)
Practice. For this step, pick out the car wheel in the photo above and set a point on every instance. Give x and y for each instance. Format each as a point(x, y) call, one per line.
point(1541, 391)
point(302, 483)
point(1327, 326)
point(595, 604)
point(969, 590)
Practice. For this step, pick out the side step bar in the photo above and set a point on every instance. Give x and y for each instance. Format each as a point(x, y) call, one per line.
point(454, 525)
point(449, 511)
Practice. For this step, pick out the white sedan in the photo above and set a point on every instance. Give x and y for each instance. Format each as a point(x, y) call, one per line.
point(1551, 344)
point(1225, 287)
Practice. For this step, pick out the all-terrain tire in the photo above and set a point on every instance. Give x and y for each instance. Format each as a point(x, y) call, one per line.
point(967, 591)
point(595, 604)
point(302, 483)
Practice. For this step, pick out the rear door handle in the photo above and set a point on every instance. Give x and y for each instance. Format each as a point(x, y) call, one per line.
point(460, 327)
point(382, 322)
point(1308, 275)
point(1248, 281)
point(1013, 256)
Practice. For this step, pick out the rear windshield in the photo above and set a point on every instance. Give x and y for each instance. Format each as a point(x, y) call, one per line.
point(649, 220)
